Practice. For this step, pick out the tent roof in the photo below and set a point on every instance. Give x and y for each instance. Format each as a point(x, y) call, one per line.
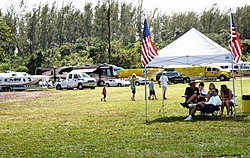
point(192, 48)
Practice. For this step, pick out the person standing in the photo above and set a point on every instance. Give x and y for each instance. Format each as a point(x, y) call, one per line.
point(163, 82)
point(104, 93)
point(152, 90)
point(133, 86)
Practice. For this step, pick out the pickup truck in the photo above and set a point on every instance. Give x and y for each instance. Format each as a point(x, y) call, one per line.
point(76, 80)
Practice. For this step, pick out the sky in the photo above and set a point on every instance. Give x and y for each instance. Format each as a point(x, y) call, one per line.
point(165, 6)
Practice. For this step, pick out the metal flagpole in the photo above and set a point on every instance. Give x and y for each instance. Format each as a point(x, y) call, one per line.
point(232, 60)
point(234, 91)
point(146, 98)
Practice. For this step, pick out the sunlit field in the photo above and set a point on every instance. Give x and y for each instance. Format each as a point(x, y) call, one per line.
point(75, 123)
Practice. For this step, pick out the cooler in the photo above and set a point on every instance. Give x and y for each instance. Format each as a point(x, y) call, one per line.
point(246, 103)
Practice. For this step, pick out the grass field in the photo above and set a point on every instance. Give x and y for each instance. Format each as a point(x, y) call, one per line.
point(76, 123)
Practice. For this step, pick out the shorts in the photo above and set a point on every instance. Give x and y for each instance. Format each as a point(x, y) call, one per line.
point(208, 109)
point(133, 89)
point(152, 92)
point(164, 89)
point(104, 95)
point(201, 99)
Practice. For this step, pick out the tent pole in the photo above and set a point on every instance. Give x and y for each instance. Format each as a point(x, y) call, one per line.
point(241, 92)
point(162, 92)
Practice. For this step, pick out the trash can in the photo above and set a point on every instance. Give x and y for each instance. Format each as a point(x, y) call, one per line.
point(246, 103)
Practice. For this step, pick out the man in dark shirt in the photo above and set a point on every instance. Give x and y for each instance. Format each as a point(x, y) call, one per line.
point(191, 94)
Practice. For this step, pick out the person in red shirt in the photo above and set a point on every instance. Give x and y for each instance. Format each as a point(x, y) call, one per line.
point(104, 92)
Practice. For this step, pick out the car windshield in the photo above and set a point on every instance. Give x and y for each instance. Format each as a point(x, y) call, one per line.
point(83, 75)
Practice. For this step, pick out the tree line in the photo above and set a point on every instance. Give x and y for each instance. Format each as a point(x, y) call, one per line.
point(108, 32)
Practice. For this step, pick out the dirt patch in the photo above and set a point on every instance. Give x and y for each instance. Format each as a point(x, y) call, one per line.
point(21, 96)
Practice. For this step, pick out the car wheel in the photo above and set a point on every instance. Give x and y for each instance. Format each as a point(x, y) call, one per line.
point(184, 81)
point(80, 87)
point(137, 83)
point(222, 78)
point(100, 83)
point(58, 87)
point(119, 85)
point(107, 85)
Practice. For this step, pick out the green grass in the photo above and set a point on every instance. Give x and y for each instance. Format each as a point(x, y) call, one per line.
point(77, 124)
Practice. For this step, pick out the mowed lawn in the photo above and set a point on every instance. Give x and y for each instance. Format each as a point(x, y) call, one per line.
point(75, 123)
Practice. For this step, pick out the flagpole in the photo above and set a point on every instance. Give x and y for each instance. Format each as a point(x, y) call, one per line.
point(232, 60)
point(148, 53)
point(146, 98)
point(234, 91)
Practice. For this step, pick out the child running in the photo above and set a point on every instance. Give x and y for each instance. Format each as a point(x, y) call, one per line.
point(104, 92)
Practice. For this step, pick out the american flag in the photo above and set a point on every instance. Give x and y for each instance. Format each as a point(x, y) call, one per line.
point(234, 43)
point(148, 48)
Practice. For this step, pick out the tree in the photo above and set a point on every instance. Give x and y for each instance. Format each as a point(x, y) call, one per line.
point(5, 37)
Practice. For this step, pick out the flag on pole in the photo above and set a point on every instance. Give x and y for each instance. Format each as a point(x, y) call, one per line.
point(234, 43)
point(148, 49)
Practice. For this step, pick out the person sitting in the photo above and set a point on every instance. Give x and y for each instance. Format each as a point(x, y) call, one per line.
point(205, 107)
point(227, 99)
point(211, 88)
point(203, 92)
point(190, 94)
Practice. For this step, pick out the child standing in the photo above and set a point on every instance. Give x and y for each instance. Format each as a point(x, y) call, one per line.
point(152, 90)
point(104, 92)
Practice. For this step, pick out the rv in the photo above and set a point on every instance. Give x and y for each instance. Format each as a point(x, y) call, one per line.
point(100, 72)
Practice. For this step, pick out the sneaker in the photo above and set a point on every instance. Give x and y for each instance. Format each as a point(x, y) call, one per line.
point(191, 105)
point(104, 100)
point(185, 105)
point(189, 118)
point(149, 98)
point(101, 99)
point(165, 98)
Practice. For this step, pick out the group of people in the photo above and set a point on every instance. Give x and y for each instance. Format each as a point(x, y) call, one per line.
point(163, 82)
point(198, 99)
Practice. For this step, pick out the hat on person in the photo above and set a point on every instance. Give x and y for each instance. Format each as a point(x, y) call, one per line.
point(192, 82)
point(134, 74)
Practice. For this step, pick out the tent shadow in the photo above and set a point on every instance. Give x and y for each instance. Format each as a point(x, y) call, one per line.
point(241, 118)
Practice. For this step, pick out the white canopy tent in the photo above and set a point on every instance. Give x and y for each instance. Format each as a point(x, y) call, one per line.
point(192, 48)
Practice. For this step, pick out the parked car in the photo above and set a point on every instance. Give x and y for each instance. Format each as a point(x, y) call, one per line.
point(174, 77)
point(139, 80)
point(117, 83)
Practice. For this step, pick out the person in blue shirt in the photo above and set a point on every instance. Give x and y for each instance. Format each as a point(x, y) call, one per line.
point(152, 94)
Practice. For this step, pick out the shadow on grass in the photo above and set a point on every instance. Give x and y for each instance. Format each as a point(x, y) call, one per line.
point(241, 118)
